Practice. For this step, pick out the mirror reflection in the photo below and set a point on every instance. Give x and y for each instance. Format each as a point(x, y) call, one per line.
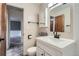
point(60, 18)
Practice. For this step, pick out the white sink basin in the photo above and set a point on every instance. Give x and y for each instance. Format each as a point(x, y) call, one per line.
point(61, 42)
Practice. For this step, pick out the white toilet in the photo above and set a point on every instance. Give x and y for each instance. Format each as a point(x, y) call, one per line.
point(31, 51)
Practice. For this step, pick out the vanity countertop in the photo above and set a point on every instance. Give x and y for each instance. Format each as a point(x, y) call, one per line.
point(60, 43)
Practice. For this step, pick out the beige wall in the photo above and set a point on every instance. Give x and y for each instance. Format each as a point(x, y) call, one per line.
point(30, 13)
point(32, 29)
point(75, 9)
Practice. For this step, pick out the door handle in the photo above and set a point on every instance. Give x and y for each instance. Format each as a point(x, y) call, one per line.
point(1, 39)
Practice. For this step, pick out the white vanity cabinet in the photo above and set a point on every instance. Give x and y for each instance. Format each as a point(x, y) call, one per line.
point(40, 52)
point(44, 48)
point(43, 15)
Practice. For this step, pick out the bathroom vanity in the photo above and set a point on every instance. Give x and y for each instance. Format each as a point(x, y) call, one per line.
point(50, 46)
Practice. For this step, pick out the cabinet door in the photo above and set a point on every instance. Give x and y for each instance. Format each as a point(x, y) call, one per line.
point(46, 54)
point(40, 52)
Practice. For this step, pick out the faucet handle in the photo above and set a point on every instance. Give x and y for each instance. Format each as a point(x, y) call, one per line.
point(59, 34)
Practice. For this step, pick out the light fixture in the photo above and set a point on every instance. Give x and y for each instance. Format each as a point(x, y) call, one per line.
point(53, 5)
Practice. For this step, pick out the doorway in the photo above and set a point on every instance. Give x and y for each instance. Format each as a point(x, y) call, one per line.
point(15, 30)
point(59, 23)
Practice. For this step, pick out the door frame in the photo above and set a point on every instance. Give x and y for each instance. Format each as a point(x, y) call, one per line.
point(3, 29)
point(7, 26)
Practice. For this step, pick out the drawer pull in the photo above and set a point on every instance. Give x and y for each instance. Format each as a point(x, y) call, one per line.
point(42, 54)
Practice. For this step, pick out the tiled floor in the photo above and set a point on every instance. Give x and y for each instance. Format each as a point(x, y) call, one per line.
point(15, 51)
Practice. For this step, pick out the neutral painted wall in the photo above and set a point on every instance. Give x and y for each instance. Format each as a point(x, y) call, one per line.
point(75, 16)
point(30, 14)
point(67, 20)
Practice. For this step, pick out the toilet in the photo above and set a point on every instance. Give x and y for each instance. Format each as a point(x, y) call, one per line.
point(31, 51)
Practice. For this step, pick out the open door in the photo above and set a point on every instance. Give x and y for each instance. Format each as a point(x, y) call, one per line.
point(2, 29)
point(59, 23)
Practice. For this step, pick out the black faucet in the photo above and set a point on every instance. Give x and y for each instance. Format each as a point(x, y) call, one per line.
point(56, 35)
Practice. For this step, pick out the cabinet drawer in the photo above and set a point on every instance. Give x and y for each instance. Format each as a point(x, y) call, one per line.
point(46, 54)
point(40, 52)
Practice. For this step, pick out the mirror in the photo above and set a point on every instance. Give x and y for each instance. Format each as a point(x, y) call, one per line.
point(60, 18)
